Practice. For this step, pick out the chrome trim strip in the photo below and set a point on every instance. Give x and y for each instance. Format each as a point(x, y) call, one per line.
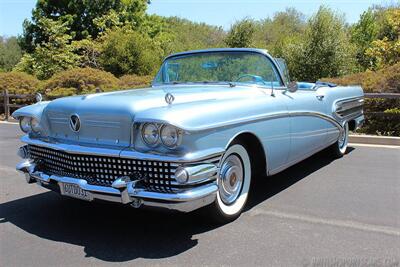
point(319, 115)
point(187, 158)
point(344, 105)
point(262, 52)
point(262, 117)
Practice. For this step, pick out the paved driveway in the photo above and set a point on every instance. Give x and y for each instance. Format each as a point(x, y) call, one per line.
point(318, 213)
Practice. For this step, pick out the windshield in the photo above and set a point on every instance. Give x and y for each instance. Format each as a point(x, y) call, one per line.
point(219, 67)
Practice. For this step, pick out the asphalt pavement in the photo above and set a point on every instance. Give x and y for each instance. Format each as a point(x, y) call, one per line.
point(320, 212)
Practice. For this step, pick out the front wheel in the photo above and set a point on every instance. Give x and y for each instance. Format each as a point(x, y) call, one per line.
point(234, 181)
point(339, 148)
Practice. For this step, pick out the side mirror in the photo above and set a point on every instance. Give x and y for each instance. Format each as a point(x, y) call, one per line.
point(292, 87)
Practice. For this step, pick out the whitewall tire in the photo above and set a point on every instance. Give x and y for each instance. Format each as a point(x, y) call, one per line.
point(339, 148)
point(234, 181)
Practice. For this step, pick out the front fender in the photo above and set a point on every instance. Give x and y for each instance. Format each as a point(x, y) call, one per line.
point(35, 111)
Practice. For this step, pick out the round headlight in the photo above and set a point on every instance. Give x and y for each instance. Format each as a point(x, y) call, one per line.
point(35, 125)
point(169, 136)
point(150, 134)
point(25, 124)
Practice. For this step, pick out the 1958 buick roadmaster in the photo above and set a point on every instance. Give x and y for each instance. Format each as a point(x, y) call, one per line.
point(211, 122)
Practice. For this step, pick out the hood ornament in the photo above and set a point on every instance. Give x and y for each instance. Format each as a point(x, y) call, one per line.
point(169, 98)
point(75, 123)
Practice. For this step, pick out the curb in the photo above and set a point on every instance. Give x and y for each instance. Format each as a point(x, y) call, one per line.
point(375, 140)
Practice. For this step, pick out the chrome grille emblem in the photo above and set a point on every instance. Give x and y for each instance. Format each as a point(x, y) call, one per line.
point(169, 98)
point(75, 123)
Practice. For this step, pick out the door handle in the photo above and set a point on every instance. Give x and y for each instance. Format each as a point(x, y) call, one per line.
point(320, 97)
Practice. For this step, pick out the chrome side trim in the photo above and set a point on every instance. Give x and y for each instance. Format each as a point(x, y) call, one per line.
point(319, 115)
point(263, 117)
point(349, 108)
point(343, 105)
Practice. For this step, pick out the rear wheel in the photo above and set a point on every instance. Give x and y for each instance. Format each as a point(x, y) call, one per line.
point(338, 149)
point(234, 184)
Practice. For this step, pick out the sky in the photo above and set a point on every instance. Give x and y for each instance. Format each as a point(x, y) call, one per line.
point(216, 12)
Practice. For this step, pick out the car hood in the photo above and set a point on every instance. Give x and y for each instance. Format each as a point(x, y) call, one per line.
point(107, 118)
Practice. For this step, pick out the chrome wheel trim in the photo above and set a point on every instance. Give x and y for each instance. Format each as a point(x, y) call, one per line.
point(343, 138)
point(236, 206)
point(231, 179)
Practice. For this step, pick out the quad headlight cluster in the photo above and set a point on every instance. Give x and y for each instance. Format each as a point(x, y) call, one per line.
point(153, 134)
point(29, 124)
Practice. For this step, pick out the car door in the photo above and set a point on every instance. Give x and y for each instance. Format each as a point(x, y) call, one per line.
point(307, 125)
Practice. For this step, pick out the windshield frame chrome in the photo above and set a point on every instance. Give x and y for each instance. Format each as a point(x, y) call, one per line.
point(262, 52)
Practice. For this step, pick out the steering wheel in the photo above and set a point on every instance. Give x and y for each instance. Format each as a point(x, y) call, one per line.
point(255, 78)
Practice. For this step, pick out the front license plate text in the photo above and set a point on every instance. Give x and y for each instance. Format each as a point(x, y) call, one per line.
point(73, 190)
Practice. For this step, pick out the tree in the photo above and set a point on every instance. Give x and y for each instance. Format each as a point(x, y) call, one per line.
point(386, 51)
point(53, 56)
point(126, 51)
point(81, 16)
point(187, 35)
point(325, 50)
point(10, 53)
point(363, 33)
point(241, 34)
point(283, 28)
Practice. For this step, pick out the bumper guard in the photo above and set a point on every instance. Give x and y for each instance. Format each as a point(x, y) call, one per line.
point(125, 191)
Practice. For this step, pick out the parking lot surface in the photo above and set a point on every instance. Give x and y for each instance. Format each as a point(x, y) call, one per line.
point(319, 212)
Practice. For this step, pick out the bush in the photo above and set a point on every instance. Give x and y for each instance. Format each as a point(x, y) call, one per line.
point(381, 124)
point(19, 83)
point(80, 81)
point(125, 51)
point(385, 80)
point(134, 81)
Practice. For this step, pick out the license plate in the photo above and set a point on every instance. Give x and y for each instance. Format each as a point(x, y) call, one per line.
point(73, 190)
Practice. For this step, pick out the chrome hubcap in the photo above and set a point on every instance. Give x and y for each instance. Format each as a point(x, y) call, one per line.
point(231, 179)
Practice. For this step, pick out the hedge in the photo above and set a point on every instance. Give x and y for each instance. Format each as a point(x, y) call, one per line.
point(385, 80)
point(19, 83)
point(80, 81)
point(134, 81)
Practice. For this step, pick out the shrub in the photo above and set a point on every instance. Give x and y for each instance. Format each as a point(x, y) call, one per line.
point(80, 81)
point(126, 51)
point(19, 83)
point(134, 81)
point(384, 80)
point(387, 123)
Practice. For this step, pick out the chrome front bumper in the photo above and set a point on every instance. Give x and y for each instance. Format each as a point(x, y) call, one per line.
point(126, 191)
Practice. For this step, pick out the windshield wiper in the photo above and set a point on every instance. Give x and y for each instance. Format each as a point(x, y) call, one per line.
point(231, 84)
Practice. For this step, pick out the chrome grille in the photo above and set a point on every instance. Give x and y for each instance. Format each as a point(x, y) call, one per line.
point(103, 170)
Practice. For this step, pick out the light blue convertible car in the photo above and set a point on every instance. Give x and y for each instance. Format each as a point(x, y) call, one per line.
point(212, 121)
